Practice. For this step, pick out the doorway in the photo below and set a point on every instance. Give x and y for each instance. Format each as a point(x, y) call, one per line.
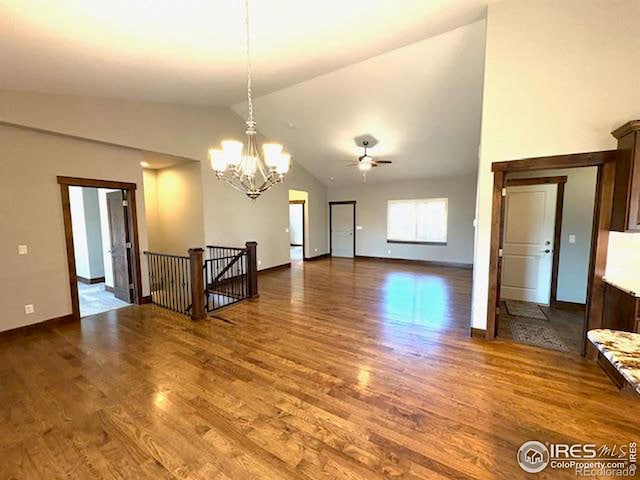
point(296, 230)
point(540, 256)
point(102, 244)
point(342, 229)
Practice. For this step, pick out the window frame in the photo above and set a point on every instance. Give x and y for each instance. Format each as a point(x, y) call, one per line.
point(420, 242)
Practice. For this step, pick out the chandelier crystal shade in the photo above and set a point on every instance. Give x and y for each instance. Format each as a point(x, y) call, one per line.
point(241, 165)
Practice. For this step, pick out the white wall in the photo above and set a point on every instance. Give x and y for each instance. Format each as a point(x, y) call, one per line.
point(371, 215)
point(94, 232)
point(577, 219)
point(80, 247)
point(296, 216)
point(559, 76)
point(41, 277)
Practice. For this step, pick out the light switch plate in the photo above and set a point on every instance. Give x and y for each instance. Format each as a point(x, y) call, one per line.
point(358, 227)
point(259, 262)
point(572, 239)
point(28, 309)
point(22, 250)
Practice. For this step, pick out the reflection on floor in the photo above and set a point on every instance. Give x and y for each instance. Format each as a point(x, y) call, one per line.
point(561, 329)
point(296, 253)
point(95, 299)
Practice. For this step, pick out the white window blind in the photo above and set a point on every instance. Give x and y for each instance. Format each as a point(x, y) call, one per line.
point(420, 220)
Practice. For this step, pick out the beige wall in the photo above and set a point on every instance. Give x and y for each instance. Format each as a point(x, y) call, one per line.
point(31, 214)
point(371, 215)
point(150, 181)
point(577, 219)
point(559, 76)
point(180, 218)
point(231, 219)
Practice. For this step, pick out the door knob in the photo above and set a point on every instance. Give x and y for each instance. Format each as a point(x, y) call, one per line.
point(547, 242)
point(547, 251)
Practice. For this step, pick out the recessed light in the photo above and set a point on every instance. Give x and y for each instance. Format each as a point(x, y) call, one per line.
point(144, 164)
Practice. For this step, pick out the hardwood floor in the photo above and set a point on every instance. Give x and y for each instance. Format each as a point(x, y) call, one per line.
point(340, 370)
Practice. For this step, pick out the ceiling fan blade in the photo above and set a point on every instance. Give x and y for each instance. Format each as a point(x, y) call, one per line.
point(383, 161)
point(352, 164)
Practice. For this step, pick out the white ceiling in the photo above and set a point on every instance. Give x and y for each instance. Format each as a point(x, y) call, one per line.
point(191, 51)
point(422, 102)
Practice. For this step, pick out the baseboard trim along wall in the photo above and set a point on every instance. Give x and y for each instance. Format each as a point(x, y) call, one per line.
point(107, 288)
point(317, 257)
point(277, 267)
point(562, 305)
point(426, 263)
point(478, 333)
point(35, 327)
point(90, 281)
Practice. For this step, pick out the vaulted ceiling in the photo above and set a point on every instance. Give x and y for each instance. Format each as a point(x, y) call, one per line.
point(422, 102)
point(192, 51)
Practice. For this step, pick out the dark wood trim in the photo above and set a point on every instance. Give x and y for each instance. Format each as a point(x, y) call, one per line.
point(71, 258)
point(587, 159)
point(296, 245)
point(557, 240)
point(132, 226)
point(196, 264)
point(478, 333)
point(605, 161)
point(343, 202)
point(562, 305)
point(38, 327)
point(317, 257)
point(412, 242)
point(626, 129)
point(146, 300)
point(426, 263)
point(283, 266)
point(252, 267)
point(90, 281)
point(521, 182)
point(495, 263)
point(94, 183)
point(297, 202)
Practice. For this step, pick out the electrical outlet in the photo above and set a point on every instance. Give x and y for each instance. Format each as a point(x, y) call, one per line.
point(28, 309)
point(572, 239)
point(286, 230)
point(388, 252)
point(22, 250)
point(259, 262)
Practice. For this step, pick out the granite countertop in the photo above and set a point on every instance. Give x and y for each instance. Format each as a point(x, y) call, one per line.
point(627, 285)
point(622, 349)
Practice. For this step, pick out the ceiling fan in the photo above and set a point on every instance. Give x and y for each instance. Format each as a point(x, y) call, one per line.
point(366, 162)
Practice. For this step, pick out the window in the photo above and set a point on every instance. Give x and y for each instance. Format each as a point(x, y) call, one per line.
point(417, 221)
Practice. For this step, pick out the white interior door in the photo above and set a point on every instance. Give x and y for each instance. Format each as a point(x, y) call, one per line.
point(342, 230)
point(527, 257)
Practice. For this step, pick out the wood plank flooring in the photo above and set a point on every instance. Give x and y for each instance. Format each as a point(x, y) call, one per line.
point(340, 370)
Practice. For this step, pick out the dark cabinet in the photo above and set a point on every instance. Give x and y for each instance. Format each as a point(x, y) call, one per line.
point(626, 191)
point(621, 310)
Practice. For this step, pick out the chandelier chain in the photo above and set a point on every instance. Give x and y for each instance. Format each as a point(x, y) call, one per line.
point(250, 121)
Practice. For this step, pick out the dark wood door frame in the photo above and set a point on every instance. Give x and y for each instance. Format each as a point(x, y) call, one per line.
point(345, 202)
point(304, 219)
point(605, 161)
point(557, 231)
point(129, 190)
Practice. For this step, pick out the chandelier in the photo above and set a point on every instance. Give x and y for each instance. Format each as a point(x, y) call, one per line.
point(241, 165)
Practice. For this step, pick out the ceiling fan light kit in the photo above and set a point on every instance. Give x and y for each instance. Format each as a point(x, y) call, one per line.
point(241, 165)
point(366, 162)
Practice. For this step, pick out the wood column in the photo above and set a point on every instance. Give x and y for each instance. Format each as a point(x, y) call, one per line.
point(252, 266)
point(196, 265)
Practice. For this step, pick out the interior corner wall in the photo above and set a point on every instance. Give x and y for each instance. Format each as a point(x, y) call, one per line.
point(80, 247)
point(371, 217)
point(577, 220)
point(231, 219)
point(559, 77)
point(179, 222)
point(31, 214)
point(150, 180)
